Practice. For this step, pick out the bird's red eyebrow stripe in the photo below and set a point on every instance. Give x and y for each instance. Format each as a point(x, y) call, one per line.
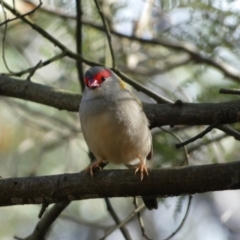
point(98, 76)
point(104, 73)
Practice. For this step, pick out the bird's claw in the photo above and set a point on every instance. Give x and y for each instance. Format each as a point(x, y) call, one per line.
point(142, 169)
point(93, 166)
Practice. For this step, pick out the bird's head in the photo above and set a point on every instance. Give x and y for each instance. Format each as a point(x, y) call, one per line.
point(102, 79)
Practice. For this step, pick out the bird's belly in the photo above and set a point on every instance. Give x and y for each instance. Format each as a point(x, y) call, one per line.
point(115, 141)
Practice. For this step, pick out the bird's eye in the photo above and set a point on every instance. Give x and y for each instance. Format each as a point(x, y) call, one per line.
point(103, 79)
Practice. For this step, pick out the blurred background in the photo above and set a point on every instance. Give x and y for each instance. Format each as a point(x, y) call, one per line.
point(40, 140)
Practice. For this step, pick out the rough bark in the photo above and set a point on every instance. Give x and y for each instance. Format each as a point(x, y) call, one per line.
point(160, 182)
point(158, 114)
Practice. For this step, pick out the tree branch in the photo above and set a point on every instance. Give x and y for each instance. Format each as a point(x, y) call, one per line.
point(229, 91)
point(36, 7)
point(115, 217)
point(107, 32)
point(230, 131)
point(186, 47)
point(124, 222)
point(158, 114)
point(79, 40)
point(48, 36)
point(43, 64)
point(45, 223)
point(194, 53)
point(58, 98)
point(160, 182)
point(183, 220)
point(200, 135)
point(76, 56)
point(154, 95)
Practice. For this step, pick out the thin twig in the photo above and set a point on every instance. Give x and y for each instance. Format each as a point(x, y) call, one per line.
point(180, 140)
point(48, 36)
point(43, 209)
point(195, 53)
point(75, 219)
point(107, 31)
point(4, 38)
point(149, 72)
point(230, 131)
point(157, 97)
point(34, 69)
point(46, 221)
point(230, 91)
point(184, 219)
point(112, 212)
point(43, 64)
point(206, 142)
point(41, 116)
point(189, 196)
point(79, 39)
point(6, 26)
point(23, 15)
point(200, 135)
point(140, 220)
point(133, 214)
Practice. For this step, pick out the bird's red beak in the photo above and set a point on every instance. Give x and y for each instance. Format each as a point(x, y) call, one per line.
point(93, 83)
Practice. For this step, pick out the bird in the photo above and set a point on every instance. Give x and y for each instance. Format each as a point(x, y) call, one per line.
point(114, 124)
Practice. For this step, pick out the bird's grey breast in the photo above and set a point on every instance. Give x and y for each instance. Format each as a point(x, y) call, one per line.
point(115, 127)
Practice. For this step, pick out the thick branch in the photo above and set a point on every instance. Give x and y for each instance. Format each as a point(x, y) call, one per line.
point(160, 182)
point(192, 113)
point(38, 93)
point(158, 114)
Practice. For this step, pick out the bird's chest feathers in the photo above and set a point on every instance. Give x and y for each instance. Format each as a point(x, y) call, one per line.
point(108, 117)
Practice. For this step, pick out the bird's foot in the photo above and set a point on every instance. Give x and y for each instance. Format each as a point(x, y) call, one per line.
point(142, 169)
point(93, 166)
